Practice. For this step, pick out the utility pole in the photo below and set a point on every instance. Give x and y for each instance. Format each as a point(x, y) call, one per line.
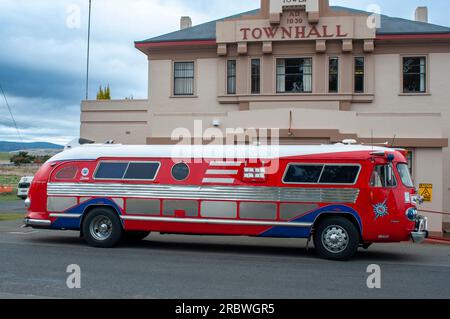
point(88, 48)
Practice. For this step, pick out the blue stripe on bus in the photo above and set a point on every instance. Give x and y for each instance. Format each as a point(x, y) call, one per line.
point(295, 232)
point(75, 223)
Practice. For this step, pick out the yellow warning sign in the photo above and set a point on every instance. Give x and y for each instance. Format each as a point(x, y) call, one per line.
point(426, 191)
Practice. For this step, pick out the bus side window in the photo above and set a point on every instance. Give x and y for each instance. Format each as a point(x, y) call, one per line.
point(383, 177)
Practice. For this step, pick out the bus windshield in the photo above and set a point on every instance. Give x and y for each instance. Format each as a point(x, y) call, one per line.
point(403, 171)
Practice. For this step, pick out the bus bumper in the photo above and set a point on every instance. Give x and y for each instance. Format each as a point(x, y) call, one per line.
point(37, 223)
point(421, 232)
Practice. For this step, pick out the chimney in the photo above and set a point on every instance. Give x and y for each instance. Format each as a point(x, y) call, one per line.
point(185, 22)
point(422, 14)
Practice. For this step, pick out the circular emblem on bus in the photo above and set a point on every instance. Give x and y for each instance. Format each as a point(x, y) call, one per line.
point(380, 210)
point(85, 172)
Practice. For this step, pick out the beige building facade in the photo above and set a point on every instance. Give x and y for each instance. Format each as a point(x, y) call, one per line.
point(319, 74)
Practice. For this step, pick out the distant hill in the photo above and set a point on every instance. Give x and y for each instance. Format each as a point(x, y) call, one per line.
point(15, 146)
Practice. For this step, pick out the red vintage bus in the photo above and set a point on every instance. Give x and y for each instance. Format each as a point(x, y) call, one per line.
point(341, 196)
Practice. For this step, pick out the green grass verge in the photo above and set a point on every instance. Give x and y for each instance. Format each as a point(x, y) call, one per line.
point(9, 180)
point(9, 197)
point(5, 156)
point(9, 217)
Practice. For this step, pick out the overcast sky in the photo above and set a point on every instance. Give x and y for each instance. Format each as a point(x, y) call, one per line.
point(43, 52)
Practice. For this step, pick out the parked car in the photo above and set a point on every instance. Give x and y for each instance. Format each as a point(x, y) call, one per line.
point(24, 186)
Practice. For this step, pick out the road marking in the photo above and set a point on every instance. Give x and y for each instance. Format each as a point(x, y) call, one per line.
point(24, 233)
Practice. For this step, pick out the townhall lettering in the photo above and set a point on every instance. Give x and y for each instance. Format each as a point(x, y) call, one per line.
point(292, 32)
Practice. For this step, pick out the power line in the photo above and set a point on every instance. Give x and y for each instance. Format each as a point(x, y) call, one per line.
point(11, 113)
point(88, 51)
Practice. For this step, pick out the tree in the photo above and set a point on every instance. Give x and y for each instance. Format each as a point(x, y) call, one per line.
point(104, 94)
point(22, 158)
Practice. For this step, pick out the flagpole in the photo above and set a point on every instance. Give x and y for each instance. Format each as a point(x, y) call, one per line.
point(88, 50)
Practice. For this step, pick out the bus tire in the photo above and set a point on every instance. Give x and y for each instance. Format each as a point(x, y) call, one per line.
point(102, 228)
point(135, 236)
point(336, 238)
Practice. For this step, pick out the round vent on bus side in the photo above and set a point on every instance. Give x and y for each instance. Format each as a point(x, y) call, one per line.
point(180, 171)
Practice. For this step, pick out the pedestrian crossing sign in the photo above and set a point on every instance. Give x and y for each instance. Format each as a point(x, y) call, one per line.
point(426, 191)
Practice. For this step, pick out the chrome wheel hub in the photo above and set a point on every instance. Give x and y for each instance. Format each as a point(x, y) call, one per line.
point(101, 228)
point(335, 239)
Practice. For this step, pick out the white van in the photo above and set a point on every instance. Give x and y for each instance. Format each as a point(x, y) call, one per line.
point(24, 186)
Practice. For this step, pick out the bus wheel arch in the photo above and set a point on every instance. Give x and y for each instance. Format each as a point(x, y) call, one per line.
point(337, 236)
point(106, 216)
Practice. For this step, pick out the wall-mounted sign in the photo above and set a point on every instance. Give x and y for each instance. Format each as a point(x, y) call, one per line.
point(294, 25)
point(277, 6)
point(426, 191)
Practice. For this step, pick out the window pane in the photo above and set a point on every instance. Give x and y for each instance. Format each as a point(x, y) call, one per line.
point(294, 75)
point(359, 75)
point(67, 173)
point(180, 171)
point(231, 77)
point(184, 78)
point(142, 171)
point(380, 177)
point(303, 174)
point(403, 171)
point(333, 75)
point(339, 174)
point(256, 76)
point(414, 74)
point(111, 170)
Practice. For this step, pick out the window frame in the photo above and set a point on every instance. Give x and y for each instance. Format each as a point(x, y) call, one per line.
point(66, 167)
point(394, 169)
point(337, 74)
point(126, 169)
point(293, 58)
point(180, 180)
point(321, 173)
point(231, 77)
point(174, 78)
point(400, 175)
point(402, 74)
point(363, 75)
point(259, 75)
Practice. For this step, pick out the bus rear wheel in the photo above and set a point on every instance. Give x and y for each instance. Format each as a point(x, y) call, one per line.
point(102, 228)
point(336, 238)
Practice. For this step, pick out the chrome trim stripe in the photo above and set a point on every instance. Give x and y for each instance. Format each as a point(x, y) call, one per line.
point(75, 216)
point(37, 222)
point(221, 172)
point(225, 164)
point(218, 180)
point(233, 193)
point(214, 221)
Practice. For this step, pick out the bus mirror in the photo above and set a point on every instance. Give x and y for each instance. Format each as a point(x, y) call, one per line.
point(390, 174)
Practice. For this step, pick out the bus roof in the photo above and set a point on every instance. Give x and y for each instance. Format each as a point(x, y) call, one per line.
point(92, 152)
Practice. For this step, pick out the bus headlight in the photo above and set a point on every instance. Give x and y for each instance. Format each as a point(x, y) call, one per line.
point(412, 214)
point(28, 203)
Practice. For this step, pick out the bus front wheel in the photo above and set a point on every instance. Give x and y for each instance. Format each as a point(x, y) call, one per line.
point(102, 228)
point(336, 238)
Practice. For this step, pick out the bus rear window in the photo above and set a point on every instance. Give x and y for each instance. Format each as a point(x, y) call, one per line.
point(142, 171)
point(127, 170)
point(338, 174)
point(68, 172)
point(110, 170)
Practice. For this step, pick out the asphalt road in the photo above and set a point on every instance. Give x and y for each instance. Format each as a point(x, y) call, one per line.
point(33, 264)
point(12, 207)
